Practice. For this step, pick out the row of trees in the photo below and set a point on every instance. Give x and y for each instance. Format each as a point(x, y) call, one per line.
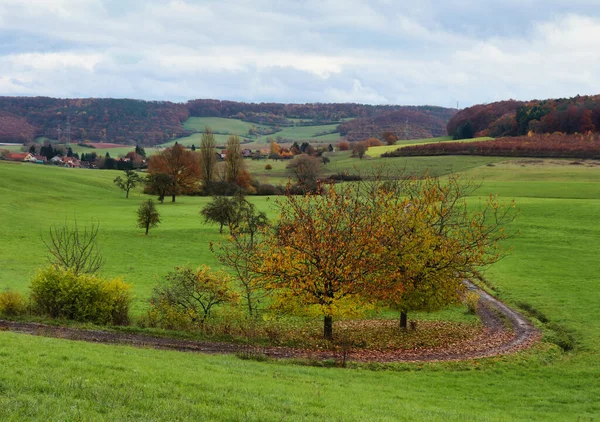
point(538, 146)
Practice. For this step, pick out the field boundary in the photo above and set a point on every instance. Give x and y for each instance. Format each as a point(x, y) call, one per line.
point(506, 331)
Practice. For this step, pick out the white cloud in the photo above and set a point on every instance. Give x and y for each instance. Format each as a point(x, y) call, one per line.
point(376, 51)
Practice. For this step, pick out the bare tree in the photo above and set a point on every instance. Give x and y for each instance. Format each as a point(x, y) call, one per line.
point(74, 249)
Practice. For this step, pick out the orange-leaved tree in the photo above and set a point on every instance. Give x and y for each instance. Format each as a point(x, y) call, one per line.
point(181, 165)
point(323, 250)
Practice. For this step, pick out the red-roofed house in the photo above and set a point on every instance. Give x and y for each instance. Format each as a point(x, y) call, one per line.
point(18, 156)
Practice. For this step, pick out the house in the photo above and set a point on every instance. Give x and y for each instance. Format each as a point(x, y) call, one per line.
point(247, 153)
point(40, 159)
point(71, 162)
point(17, 156)
point(56, 160)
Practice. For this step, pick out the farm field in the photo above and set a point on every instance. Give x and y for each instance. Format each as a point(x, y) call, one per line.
point(219, 125)
point(553, 267)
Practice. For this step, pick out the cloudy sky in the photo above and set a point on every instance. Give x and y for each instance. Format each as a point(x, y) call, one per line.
point(378, 51)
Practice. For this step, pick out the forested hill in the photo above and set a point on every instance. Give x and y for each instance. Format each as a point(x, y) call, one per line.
point(579, 114)
point(111, 120)
point(405, 123)
point(125, 121)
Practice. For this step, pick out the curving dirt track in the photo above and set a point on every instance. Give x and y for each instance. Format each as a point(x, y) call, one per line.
point(506, 331)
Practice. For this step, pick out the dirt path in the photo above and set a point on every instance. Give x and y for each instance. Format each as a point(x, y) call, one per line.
point(506, 331)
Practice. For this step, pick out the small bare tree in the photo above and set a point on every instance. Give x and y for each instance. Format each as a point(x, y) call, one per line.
point(74, 249)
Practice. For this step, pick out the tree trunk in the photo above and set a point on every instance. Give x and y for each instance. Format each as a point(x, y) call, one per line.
point(173, 198)
point(127, 194)
point(161, 199)
point(403, 319)
point(147, 228)
point(328, 327)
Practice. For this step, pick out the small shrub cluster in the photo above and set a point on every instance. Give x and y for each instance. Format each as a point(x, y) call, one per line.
point(345, 177)
point(61, 293)
point(186, 299)
point(12, 304)
point(472, 302)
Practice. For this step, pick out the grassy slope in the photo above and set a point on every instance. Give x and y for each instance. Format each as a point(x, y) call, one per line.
point(218, 124)
point(554, 267)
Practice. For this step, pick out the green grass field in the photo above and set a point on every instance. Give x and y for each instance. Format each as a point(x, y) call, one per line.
point(218, 124)
point(554, 267)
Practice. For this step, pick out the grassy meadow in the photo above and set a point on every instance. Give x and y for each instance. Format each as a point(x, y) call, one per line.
point(553, 267)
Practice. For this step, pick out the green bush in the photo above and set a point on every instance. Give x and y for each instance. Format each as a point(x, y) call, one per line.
point(12, 304)
point(186, 300)
point(472, 302)
point(60, 293)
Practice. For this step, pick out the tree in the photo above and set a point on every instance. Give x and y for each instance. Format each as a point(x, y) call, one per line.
point(148, 215)
point(343, 146)
point(389, 138)
point(306, 169)
point(208, 156)
point(193, 293)
point(360, 148)
point(73, 249)
point(434, 242)
point(323, 251)
point(160, 184)
point(130, 181)
point(220, 210)
point(139, 150)
point(465, 131)
point(240, 252)
point(32, 149)
point(181, 165)
point(234, 162)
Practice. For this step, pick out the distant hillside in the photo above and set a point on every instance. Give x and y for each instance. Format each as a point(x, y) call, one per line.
point(513, 118)
point(108, 120)
point(129, 122)
point(405, 123)
point(15, 128)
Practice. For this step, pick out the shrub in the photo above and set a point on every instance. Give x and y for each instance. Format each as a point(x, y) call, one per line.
point(269, 190)
point(187, 298)
point(61, 293)
point(268, 167)
point(343, 146)
point(12, 304)
point(472, 302)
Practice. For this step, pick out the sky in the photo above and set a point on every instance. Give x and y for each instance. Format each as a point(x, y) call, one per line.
point(376, 52)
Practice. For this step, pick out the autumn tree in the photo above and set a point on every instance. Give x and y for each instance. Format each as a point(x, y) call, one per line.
point(130, 181)
point(274, 150)
point(234, 162)
point(181, 165)
point(359, 149)
point(343, 146)
point(147, 215)
point(306, 170)
point(434, 242)
point(208, 156)
point(389, 138)
point(323, 251)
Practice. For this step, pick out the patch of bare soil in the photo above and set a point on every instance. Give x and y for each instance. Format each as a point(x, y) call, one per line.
point(504, 331)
